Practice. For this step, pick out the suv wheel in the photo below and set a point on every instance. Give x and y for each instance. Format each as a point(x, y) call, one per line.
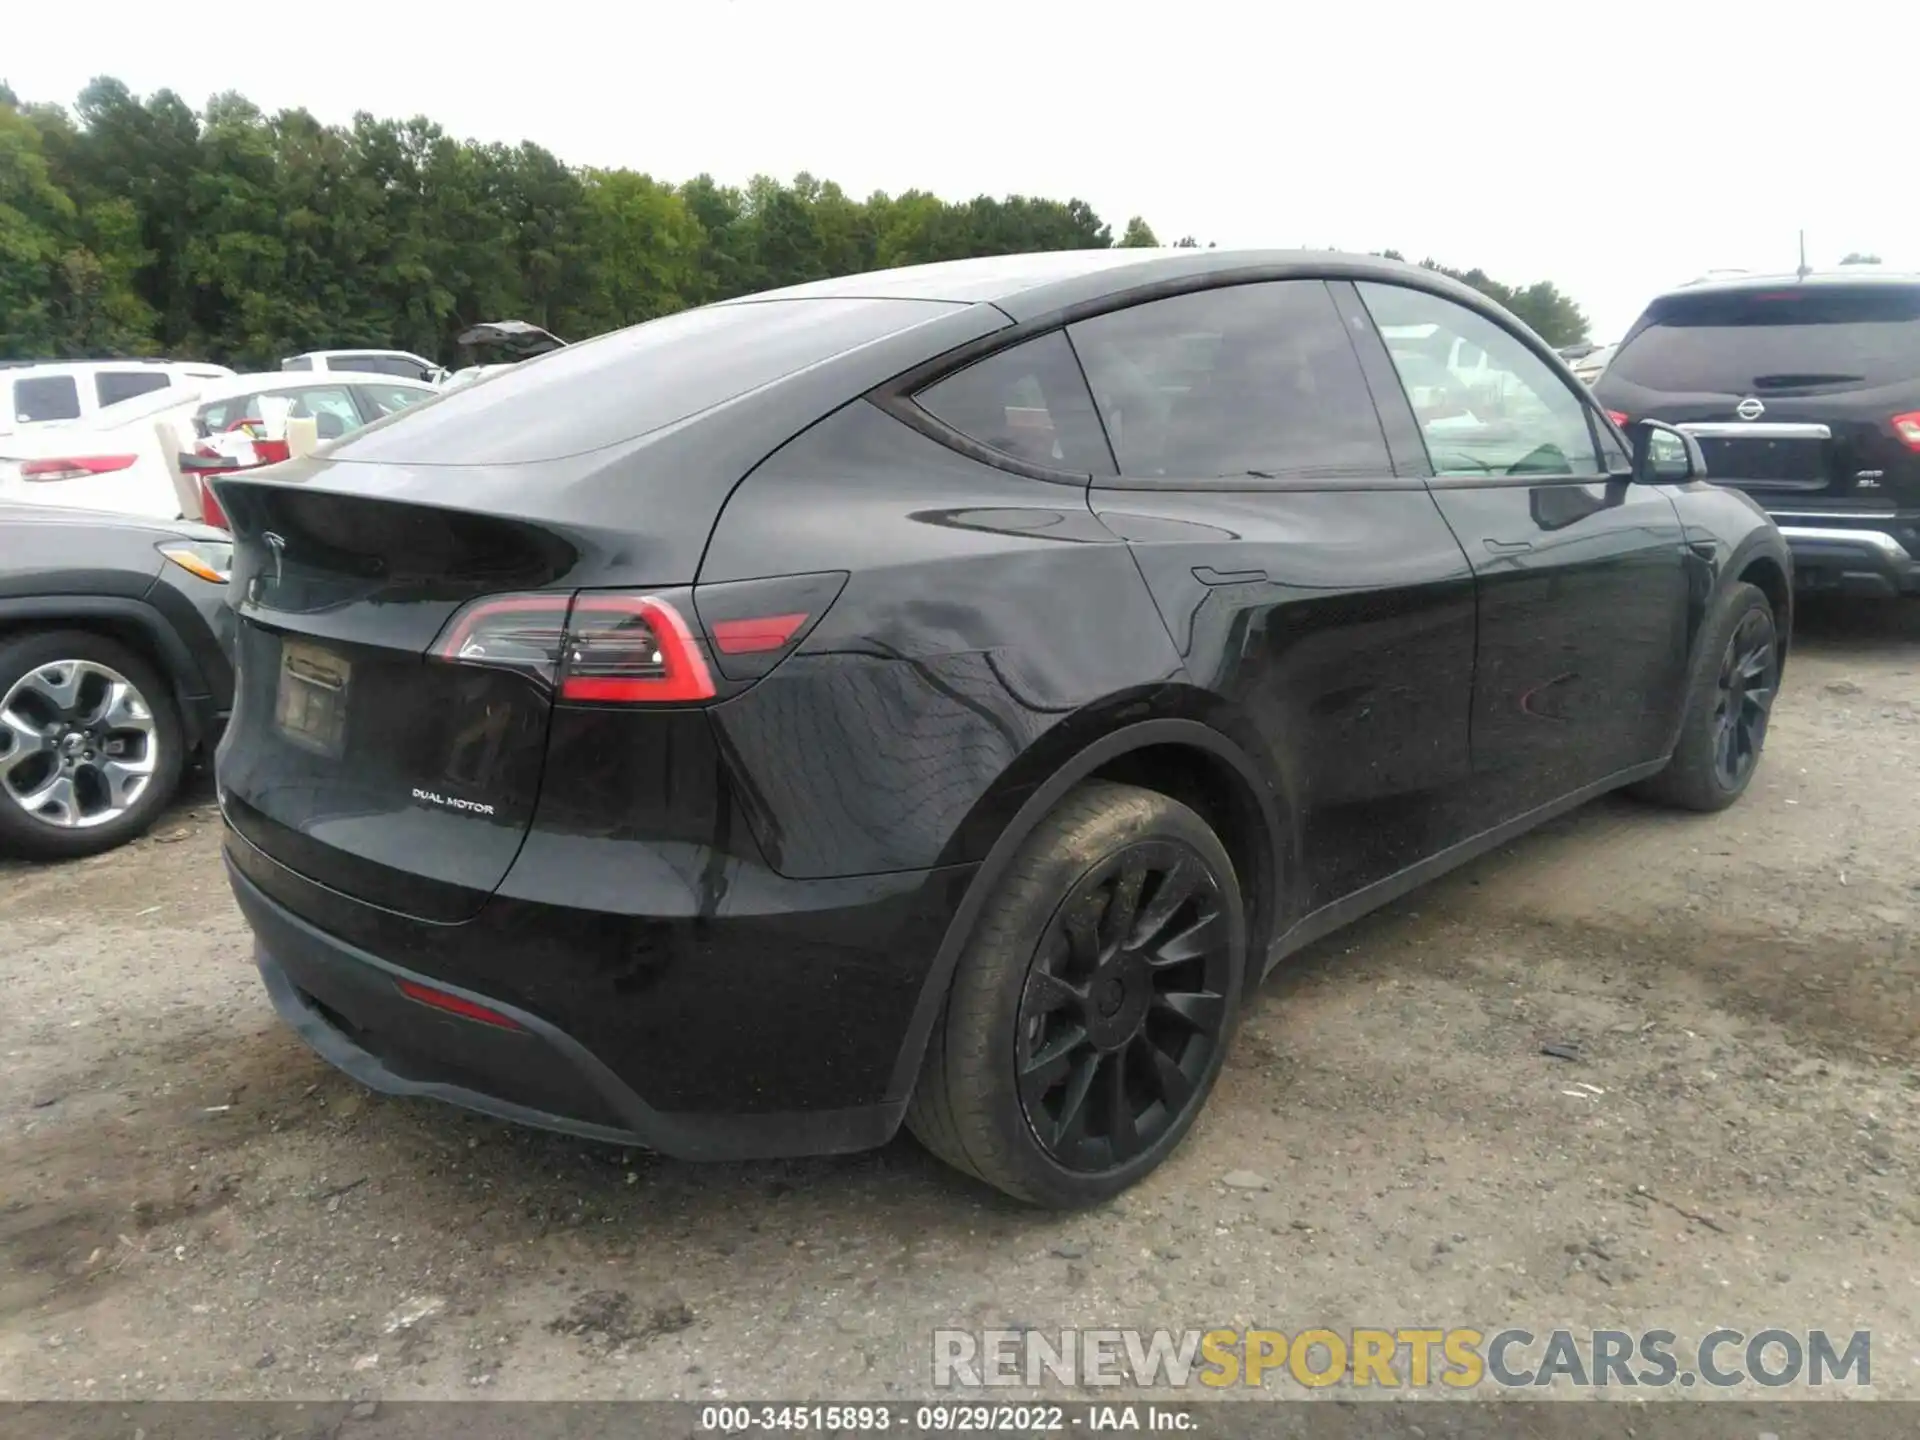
point(90, 744)
point(1091, 1010)
point(1729, 704)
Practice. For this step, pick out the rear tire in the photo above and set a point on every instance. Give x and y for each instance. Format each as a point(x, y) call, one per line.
point(1092, 1007)
point(82, 778)
point(1736, 677)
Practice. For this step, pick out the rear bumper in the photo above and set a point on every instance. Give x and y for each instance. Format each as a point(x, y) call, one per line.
point(1877, 556)
point(348, 1006)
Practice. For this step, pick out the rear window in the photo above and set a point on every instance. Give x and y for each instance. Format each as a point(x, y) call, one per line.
point(45, 397)
point(1736, 342)
point(113, 386)
point(1029, 402)
point(616, 387)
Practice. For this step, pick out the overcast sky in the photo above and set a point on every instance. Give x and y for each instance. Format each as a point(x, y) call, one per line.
point(1613, 148)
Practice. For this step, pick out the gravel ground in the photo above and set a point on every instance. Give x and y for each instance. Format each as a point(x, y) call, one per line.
point(193, 1206)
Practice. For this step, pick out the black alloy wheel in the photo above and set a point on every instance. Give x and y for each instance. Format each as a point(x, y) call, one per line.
point(1735, 680)
point(1125, 1005)
point(1748, 683)
point(1090, 1012)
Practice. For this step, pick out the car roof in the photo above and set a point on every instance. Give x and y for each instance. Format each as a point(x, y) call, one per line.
point(16, 369)
point(1031, 285)
point(359, 350)
point(1849, 276)
point(267, 382)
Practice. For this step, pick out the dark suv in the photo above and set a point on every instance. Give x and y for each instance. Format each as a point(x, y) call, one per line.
point(942, 694)
point(115, 642)
point(1805, 393)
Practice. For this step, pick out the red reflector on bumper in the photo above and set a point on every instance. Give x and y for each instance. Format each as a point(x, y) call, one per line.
point(454, 1005)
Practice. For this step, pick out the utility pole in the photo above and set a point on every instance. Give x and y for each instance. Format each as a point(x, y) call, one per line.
point(1805, 269)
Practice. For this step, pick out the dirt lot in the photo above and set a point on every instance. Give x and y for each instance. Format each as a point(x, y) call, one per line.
point(191, 1205)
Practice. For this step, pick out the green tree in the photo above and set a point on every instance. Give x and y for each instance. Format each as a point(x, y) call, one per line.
point(135, 225)
point(36, 215)
point(644, 251)
point(1860, 257)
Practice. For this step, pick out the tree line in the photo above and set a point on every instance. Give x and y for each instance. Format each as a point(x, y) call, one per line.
point(138, 226)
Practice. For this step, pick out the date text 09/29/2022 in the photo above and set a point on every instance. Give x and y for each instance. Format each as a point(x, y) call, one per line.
point(961, 1418)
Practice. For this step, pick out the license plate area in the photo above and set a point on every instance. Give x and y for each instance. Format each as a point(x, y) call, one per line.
point(1787, 464)
point(310, 707)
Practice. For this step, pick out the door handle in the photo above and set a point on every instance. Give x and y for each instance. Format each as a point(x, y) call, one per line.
point(1207, 575)
point(1507, 547)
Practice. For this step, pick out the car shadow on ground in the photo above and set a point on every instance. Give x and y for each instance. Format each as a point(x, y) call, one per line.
point(1863, 628)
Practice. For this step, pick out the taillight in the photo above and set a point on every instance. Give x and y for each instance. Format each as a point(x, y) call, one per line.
point(755, 624)
point(1619, 417)
point(755, 636)
point(1907, 427)
point(604, 647)
point(74, 467)
point(632, 650)
point(597, 647)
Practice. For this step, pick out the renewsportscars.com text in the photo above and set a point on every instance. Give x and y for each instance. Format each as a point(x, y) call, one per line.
point(1458, 1358)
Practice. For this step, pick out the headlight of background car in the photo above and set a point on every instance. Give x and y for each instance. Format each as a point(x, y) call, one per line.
point(211, 560)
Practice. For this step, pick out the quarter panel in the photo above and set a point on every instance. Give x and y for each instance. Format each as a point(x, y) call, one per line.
point(984, 609)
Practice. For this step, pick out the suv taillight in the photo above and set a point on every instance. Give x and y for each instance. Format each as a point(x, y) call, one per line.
point(1907, 428)
point(597, 647)
point(74, 467)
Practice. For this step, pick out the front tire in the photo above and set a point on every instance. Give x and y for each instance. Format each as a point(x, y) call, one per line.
point(1091, 1010)
point(91, 745)
point(1729, 704)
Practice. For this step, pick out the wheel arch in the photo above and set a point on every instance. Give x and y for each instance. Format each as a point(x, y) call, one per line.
point(125, 621)
point(1774, 580)
point(1194, 762)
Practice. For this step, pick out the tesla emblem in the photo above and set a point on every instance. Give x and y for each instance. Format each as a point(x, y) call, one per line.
point(279, 548)
point(1750, 409)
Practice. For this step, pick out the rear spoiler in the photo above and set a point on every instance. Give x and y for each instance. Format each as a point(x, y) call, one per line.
point(517, 338)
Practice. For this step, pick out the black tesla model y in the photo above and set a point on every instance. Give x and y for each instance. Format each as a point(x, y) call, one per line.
point(940, 695)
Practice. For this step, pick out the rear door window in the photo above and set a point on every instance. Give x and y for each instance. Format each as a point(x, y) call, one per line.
point(1029, 402)
point(1796, 336)
point(45, 397)
point(298, 362)
point(113, 386)
point(1246, 381)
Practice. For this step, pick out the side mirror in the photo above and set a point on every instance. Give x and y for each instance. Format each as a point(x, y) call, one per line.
point(1664, 455)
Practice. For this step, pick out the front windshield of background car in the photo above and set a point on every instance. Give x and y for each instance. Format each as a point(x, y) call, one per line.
point(1734, 342)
